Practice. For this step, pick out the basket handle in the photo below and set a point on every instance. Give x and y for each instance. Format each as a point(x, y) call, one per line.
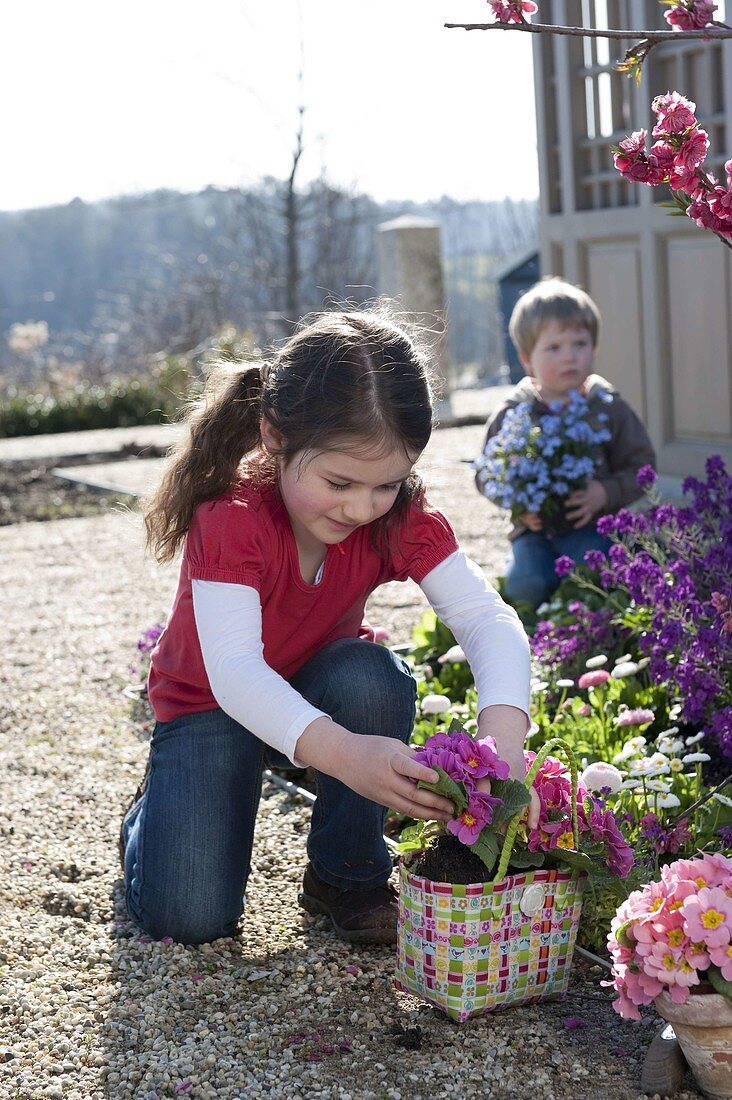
point(554, 743)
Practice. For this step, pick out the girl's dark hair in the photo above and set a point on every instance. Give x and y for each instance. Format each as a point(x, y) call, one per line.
point(342, 378)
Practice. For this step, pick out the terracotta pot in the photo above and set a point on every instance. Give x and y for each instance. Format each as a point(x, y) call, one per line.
point(703, 1026)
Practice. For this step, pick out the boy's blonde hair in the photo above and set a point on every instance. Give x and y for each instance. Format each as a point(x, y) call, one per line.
point(551, 299)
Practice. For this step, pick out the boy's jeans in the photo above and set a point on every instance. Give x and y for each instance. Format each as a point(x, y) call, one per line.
point(189, 837)
point(530, 576)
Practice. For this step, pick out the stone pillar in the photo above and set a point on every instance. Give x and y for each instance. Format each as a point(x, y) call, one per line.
point(410, 271)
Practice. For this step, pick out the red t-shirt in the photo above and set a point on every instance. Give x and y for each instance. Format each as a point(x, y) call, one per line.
point(245, 537)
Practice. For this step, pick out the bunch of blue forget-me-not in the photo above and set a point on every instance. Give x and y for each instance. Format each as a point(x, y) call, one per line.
point(533, 462)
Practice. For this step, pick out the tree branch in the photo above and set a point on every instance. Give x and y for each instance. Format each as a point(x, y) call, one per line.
point(717, 30)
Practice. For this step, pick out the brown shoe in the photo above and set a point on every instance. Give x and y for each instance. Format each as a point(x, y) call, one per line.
point(358, 916)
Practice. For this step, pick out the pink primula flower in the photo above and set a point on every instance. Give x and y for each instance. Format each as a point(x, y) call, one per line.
point(480, 758)
point(722, 957)
point(711, 869)
point(468, 826)
point(594, 678)
point(708, 916)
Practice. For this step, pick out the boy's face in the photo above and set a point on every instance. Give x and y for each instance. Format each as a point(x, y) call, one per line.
point(561, 360)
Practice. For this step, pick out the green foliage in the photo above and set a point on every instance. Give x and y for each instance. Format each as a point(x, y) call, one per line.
point(431, 640)
point(718, 983)
point(515, 798)
point(487, 849)
point(119, 403)
point(448, 788)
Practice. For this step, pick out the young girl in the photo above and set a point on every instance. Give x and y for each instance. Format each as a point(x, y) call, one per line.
point(293, 497)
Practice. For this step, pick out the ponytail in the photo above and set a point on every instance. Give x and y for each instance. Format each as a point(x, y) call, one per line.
point(223, 427)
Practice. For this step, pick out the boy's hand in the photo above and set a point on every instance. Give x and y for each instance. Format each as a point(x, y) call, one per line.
point(532, 520)
point(585, 503)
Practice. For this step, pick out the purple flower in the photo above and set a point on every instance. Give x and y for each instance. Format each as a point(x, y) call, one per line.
point(563, 566)
point(646, 477)
point(619, 856)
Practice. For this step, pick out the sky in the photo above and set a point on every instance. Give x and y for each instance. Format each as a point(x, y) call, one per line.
point(105, 98)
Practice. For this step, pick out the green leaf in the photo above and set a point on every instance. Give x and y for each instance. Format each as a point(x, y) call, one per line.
point(448, 788)
point(515, 797)
point(622, 934)
point(570, 858)
point(524, 858)
point(486, 848)
point(720, 984)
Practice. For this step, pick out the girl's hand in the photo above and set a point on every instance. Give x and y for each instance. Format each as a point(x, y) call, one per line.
point(379, 768)
point(507, 726)
point(382, 769)
point(585, 503)
point(532, 520)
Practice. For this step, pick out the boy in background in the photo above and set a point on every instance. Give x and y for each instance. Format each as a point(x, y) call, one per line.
point(555, 328)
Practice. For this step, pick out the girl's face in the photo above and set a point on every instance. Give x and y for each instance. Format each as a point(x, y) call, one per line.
point(329, 494)
point(561, 360)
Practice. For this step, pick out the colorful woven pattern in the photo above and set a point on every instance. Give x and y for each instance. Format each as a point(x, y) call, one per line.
point(473, 949)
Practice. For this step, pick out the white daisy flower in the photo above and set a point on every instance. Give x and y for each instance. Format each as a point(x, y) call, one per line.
point(696, 758)
point(565, 683)
point(454, 656)
point(696, 738)
point(435, 704)
point(723, 799)
point(600, 774)
point(596, 662)
point(623, 669)
point(668, 801)
point(660, 785)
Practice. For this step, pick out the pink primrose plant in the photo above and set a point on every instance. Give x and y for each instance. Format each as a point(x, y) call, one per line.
point(674, 933)
point(477, 781)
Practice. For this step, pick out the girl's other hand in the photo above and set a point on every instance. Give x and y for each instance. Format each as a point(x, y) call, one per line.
point(532, 520)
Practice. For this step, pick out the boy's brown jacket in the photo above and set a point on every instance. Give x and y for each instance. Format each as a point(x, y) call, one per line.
point(628, 448)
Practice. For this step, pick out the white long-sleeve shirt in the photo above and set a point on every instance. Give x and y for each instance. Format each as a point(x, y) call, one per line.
point(229, 623)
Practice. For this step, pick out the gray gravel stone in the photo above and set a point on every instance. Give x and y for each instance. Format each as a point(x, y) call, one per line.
point(89, 1009)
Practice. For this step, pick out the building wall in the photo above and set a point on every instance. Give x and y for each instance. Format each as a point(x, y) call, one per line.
point(664, 287)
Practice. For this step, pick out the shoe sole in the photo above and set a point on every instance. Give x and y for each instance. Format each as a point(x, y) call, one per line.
point(316, 908)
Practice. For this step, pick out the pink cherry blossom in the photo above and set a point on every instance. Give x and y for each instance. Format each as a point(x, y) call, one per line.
point(692, 181)
point(675, 114)
point(690, 15)
point(693, 149)
point(512, 11)
point(662, 156)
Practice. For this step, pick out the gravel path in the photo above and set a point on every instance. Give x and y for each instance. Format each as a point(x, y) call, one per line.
point(89, 1008)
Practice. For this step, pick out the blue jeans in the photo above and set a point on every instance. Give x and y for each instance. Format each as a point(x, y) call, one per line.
point(530, 576)
point(188, 839)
